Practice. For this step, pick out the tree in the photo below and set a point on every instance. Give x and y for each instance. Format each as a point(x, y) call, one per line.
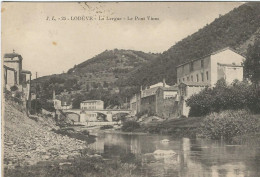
point(252, 63)
point(36, 106)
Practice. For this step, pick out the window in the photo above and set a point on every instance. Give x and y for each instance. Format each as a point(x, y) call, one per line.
point(191, 66)
point(207, 75)
point(202, 77)
point(188, 78)
point(192, 78)
point(197, 78)
point(179, 80)
point(183, 79)
point(202, 63)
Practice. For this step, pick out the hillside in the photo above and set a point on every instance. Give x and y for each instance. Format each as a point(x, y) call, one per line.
point(115, 75)
point(237, 29)
point(105, 68)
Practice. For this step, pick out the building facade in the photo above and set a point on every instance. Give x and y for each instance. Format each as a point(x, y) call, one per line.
point(92, 105)
point(14, 75)
point(158, 99)
point(225, 63)
point(196, 75)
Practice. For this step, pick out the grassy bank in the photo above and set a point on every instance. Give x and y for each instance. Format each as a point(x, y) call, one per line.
point(237, 126)
point(183, 127)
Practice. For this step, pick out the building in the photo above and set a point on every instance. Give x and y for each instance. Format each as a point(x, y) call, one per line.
point(158, 99)
point(195, 75)
point(225, 63)
point(14, 75)
point(62, 101)
point(92, 105)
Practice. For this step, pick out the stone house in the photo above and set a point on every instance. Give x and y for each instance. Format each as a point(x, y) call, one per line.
point(14, 75)
point(158, 99)
point(195, 75)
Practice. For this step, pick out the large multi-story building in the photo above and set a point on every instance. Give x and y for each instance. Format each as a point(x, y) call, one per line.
point(195, 75)
point(225, 63)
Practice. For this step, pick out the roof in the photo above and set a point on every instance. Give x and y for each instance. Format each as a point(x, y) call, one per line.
point(26, 72)
point(197, 84)
point(213, 53)
point(229, 65)
point(12, 55)
point(87, 101)
point(171, 88)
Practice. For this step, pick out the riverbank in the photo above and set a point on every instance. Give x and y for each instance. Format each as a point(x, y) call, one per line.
point(247, 125)
point(29, 141)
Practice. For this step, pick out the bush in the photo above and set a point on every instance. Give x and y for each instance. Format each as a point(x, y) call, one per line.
point(130, 126)
point(239, 95)
point(228, 124)
point(106, 127)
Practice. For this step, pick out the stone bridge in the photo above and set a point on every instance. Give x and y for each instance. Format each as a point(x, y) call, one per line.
point(107, 112)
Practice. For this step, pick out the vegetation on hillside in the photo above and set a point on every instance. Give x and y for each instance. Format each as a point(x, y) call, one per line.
point(233, 29)
point(252, 63)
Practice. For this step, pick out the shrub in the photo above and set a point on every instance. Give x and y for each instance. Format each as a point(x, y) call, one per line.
point(14, 88)
point(228, 124)
point(239, 95)
point(106, 127)
point(130, 126)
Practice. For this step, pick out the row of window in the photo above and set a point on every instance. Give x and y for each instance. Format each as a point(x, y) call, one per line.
point(90, 107)
point(89, 103)
point(196, 79)
point(192, 67)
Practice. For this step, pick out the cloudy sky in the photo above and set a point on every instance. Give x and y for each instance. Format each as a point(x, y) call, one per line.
point(53, 46)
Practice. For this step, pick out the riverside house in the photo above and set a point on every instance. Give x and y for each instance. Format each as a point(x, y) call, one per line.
point(14, 75)
point(158, 99)
point(195, 75)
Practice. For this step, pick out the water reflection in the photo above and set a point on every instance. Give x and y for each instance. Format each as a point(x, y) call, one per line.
point(194, 158)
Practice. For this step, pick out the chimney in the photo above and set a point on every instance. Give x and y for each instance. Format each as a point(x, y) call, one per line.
point(164, 82)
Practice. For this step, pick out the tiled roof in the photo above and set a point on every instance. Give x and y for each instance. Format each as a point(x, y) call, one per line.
point(27, 72)
point(230, 65)
point(12, 55)
point(171, 88)
point(87, 101)
point(198, 84)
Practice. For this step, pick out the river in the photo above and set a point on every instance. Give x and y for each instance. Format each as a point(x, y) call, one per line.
point(193, 158)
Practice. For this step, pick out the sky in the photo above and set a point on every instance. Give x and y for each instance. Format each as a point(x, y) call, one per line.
point(53, 37)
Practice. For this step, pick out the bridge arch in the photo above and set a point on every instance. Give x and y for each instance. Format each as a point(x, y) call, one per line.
point(74, 117)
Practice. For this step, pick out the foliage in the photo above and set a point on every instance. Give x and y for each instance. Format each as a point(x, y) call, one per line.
point(106, 127)
point(240, 95)
point(231, 30)
point(228, 124)
point(36, 106)
point(14, 88)
point(252, 63)
point(130, 126)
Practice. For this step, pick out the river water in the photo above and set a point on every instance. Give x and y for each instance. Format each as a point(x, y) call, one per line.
point(193, 158)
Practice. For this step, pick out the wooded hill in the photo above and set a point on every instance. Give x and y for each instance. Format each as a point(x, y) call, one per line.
point(237, 29)
point(128, 69)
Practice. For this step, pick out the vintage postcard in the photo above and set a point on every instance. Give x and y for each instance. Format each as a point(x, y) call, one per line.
point(130, 89)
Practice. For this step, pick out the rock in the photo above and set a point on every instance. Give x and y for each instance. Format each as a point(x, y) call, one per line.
point(164, 152)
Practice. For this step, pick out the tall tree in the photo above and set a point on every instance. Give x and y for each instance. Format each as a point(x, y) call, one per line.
point(252, 63)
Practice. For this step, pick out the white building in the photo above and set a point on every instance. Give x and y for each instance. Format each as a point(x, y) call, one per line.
point(195, 75)
point(92, 105)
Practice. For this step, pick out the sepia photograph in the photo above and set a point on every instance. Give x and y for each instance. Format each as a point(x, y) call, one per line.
point(130, 89)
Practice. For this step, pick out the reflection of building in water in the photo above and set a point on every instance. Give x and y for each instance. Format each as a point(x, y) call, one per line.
point(206, 158)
